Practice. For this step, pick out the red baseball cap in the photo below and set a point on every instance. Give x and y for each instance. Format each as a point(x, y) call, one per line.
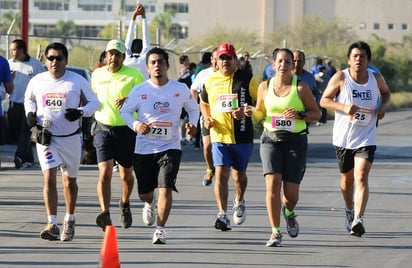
point(226, 49)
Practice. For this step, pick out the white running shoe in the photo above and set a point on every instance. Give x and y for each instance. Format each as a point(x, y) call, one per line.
point(239, 212)
point(159, 236)
point(275, 240)
point(148, 214)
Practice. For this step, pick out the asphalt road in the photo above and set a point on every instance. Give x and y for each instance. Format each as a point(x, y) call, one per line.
point(192, 240)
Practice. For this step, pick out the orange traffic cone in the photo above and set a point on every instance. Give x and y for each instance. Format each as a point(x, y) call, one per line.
point(109, 254)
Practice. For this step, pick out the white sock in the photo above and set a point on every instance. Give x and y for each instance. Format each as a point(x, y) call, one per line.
point(69, 217)
point(52, 219)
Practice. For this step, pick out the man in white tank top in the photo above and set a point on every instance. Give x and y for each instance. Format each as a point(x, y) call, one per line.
point(358, 96)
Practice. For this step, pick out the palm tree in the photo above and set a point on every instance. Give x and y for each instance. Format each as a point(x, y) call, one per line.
point(6, 20)
point(163, 21)
point(65, 29)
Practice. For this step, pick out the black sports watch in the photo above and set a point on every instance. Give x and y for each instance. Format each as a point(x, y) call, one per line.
point(303, 114)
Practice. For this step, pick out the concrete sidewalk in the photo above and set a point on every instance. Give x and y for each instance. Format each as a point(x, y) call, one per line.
point(192, 240)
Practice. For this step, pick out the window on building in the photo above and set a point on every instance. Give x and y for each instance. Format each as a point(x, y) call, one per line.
point(43, 29)
point(404, 27)
point(391, 26)
point(362, 26)
point(10, 5)
point(376, 26)
point(148, 8)
point(349, 26)
point(50, 5)
point(151, 8)
point(96, 7)
point(179, 7)
point(88, 31)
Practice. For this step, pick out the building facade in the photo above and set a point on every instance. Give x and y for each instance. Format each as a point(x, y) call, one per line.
point(389, 20)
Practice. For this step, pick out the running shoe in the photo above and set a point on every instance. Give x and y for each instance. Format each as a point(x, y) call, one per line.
point(357, 227)
point(68, 231)
point(349, 219)
point(159, 236)
point(50, 232)
point(103, 219)
point(125, 215)
point(222, 223)
point(275, 240)
point(292, 225)
point(148, 214)
point(239, 212)
point(208, 178)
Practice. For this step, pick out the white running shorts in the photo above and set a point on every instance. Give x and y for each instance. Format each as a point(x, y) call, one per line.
point(63, 152)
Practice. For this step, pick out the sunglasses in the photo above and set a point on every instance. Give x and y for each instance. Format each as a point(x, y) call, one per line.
point(225, 57)
point(52, 58)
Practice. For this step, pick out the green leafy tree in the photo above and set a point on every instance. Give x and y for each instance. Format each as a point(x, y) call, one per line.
point(6, 20)
point(243, 40)
point(111, 31)
point(65, 29)
point(315, 36)
point(163, 21)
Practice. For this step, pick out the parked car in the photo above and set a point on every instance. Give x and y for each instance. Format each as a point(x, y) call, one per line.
point(86, 73)
point(80, 70)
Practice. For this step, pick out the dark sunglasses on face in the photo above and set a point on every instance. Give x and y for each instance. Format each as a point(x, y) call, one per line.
point(52, 58)
point(225, 57)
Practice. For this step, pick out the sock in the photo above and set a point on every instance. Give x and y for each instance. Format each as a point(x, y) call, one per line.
point(69, 217)
point(275, 230)
point(210, 171)
point(221, 213)
point(288, 213)
point(52, 219)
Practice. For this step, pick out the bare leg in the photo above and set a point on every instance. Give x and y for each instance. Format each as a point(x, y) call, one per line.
point(221, 187)
point(70, 190)
point(240, 183)
point(50, 195)
point(362, 168)
point(273, 187)
point(127, 178)
point(347, 188)
point(104, 188)
point(164, 205)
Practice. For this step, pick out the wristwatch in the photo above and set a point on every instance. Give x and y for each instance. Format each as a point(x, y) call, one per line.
point(303, 114)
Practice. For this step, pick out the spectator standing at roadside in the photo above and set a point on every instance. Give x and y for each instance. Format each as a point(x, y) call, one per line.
point(102, 60)
point(305, 76)
point(224, 106)
point(113, 140)
point(52, 105)
point(330, 69)
point(246, 65)
point(315, 68)
point(136, 49)
point(186, 78)
point(322, 79)
point(358, 96)
point(158, 102)
point(269, 72)
point(6, 80)
point(184, 62)
point(285, 104)
point(203, 64)
point(24, 68)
